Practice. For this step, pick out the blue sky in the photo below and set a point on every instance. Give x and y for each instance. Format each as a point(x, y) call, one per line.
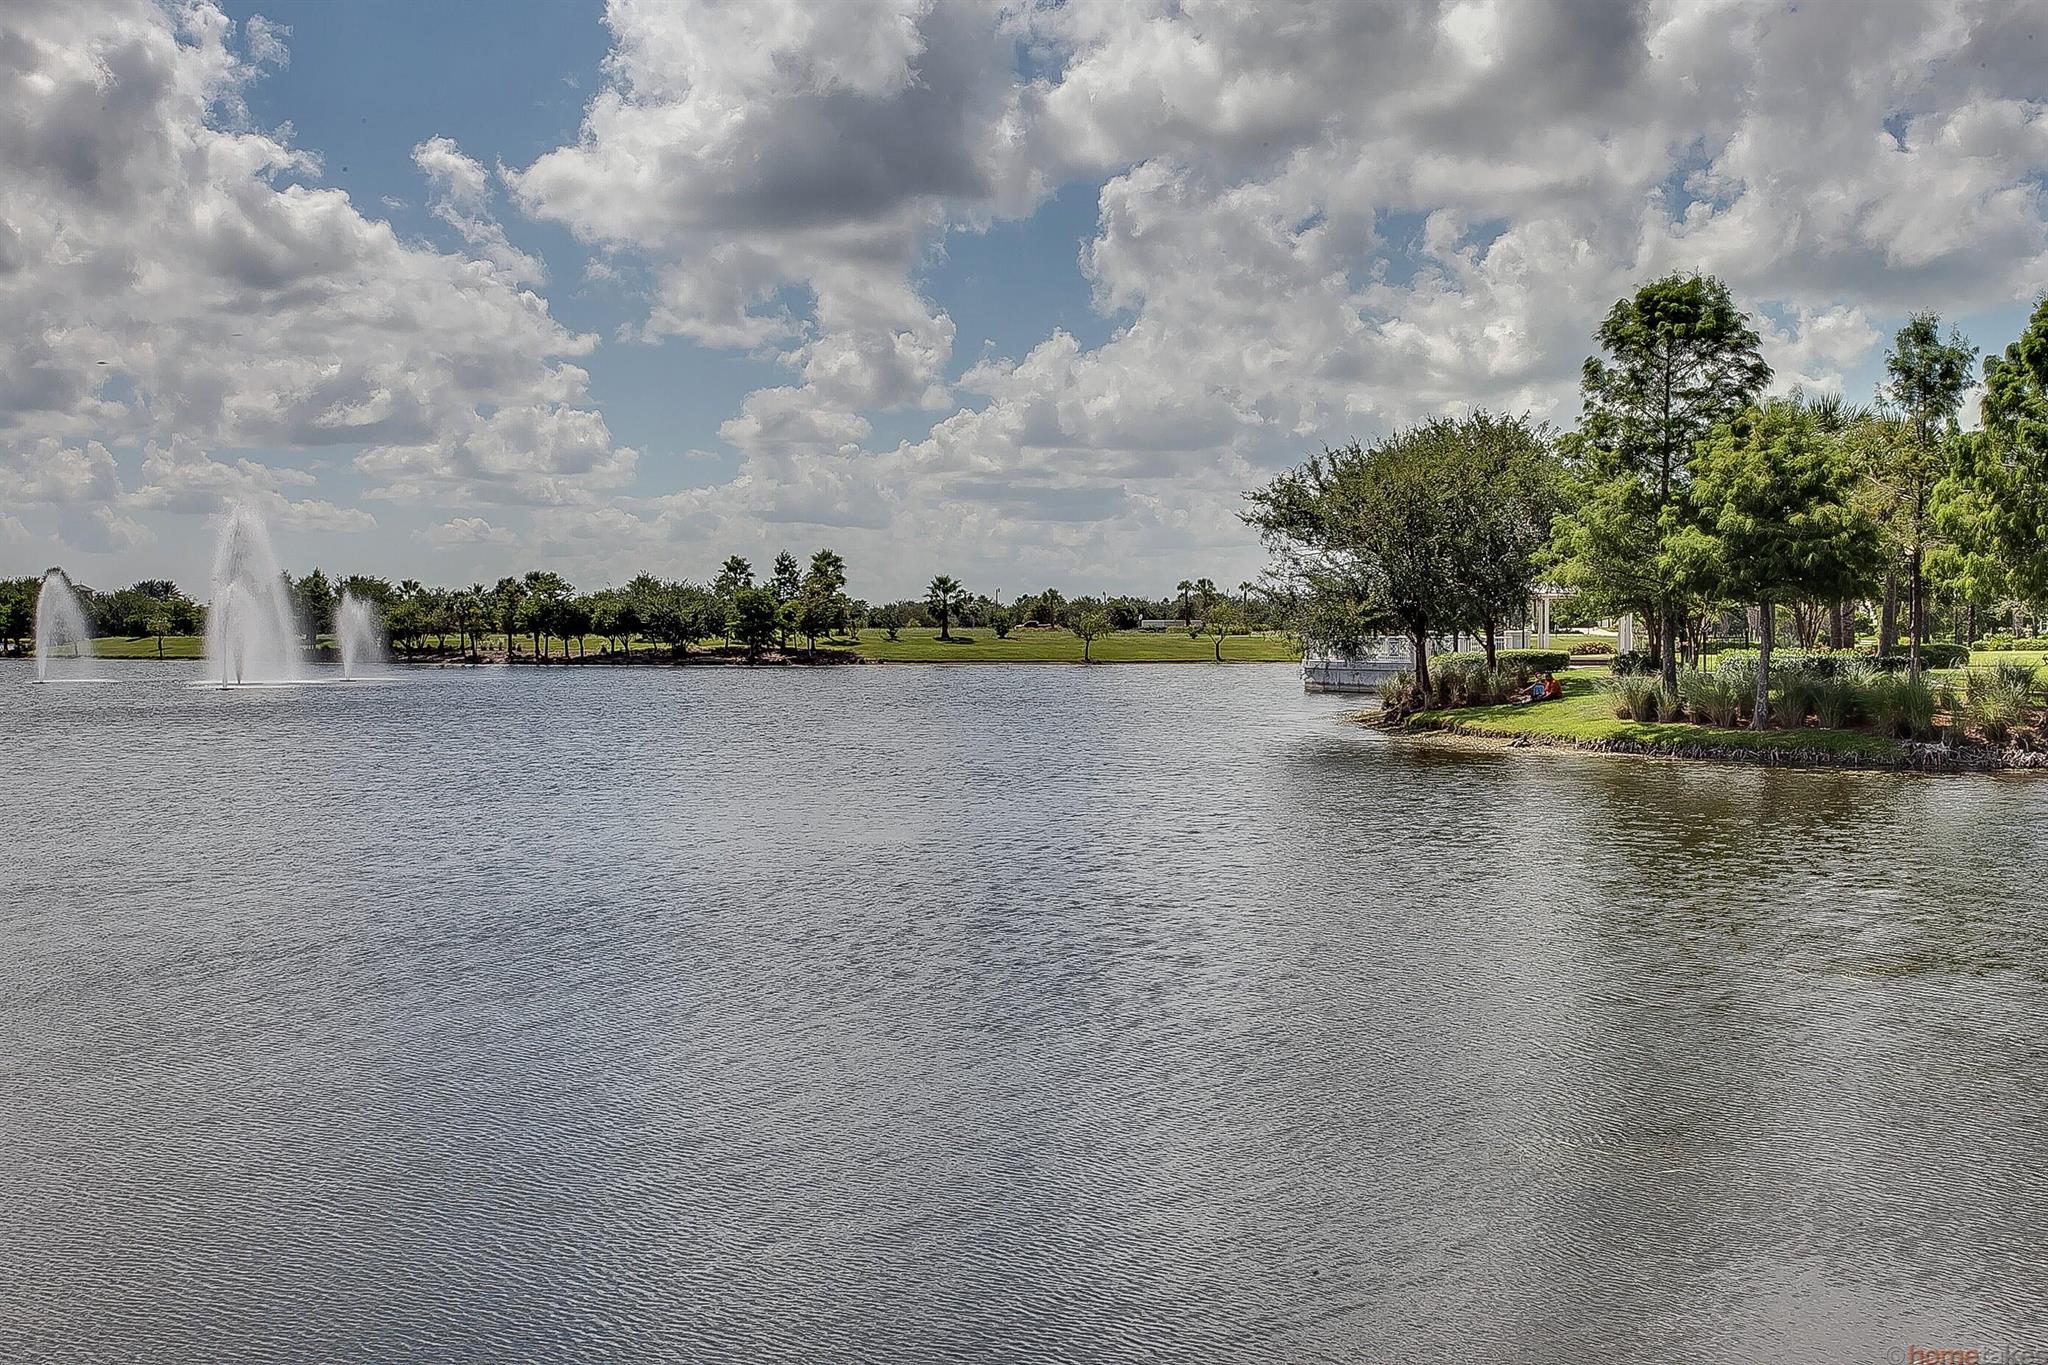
point(1029, 296)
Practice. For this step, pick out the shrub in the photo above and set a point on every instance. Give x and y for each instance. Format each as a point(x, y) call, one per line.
point(1996, 642)
point(1520, 664)
point(1464, 680)
point(2031, 643)
point(1933, 654)
point(1634, 663)
point(1589, 648)
point(1395, 690)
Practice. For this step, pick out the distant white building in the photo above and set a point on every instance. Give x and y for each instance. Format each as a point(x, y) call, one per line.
point(1167, 623)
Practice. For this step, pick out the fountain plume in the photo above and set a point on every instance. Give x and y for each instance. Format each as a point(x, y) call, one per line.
point(251, 631)
point(360, 636)
point(60, 624)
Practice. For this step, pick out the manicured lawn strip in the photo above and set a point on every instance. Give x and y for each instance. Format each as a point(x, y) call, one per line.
point(144, 647)
point(980, 646)
point(1584, 716)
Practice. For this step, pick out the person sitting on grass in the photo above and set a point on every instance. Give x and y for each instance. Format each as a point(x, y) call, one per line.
point(1546, 688)
point(1552, 688)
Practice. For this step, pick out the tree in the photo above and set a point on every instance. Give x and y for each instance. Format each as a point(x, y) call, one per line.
point(315, 603)
point(1408, 534)
point(1679, 359)
point(1002, 621)
point(545, 593)
point(788, 579)
point(1774, 518)
point(736, 573)
point(1513, 492)
point(812, 614)
point(1088, 619)
point(1927, 378)
point(827, 571)
point(158, 623)
point(507, 598)
point(1186, 589)
point(756, 618)
point(824, 599)
point(573, 619)
point(891, 617)
point(1221, 619)
point(941, 594)
point(18, 612)
point(2010, 455)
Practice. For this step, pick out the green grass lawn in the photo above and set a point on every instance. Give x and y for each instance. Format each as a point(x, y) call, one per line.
point(1584, 715)
point(980, 646)
point(144, 647)
point(1991, 658)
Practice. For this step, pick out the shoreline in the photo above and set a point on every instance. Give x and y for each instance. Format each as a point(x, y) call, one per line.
point(1906, 755)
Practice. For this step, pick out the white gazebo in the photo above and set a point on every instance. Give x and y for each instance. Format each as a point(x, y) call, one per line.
point(1539, 610)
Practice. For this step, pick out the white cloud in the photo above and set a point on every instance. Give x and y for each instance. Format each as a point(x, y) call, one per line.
point(170, 275)
point(464, 531)
point(461, 199)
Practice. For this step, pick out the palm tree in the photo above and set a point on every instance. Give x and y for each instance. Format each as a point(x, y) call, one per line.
point(1184, 588)
point(506, 599)
point(941, 594)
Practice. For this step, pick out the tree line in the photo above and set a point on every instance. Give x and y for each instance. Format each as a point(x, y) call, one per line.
point(1688, 498)
point(794, 602)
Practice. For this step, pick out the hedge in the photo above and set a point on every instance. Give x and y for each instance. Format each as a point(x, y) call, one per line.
point(1520, 662)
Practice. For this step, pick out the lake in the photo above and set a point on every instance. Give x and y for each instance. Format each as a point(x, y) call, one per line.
point(991, 1014)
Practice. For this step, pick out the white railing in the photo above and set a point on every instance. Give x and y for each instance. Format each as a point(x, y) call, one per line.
point(1384, 657)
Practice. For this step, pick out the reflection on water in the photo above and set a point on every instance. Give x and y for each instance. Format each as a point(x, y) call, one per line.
point(1126, 1014)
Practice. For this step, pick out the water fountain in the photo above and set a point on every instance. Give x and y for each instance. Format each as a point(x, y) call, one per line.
point(60, 624)
point(251, 630)
point(361, 639)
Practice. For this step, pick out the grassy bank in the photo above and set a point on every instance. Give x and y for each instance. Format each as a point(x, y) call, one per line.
point(981, 646)
point(1583, 718)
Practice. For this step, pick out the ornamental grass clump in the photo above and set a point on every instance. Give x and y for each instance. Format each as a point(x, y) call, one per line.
point(1997, 702)
point(1713, 697)
point(2015, 673)
point(1842, 700)
point(1466, 681)
point(1635, 697)
point(1902, 707)
point(1798, 695)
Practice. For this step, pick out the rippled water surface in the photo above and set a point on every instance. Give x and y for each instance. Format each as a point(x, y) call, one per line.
point(991, 1014)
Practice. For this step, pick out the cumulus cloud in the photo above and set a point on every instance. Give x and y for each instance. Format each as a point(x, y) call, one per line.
point(171, 275)
point(464, 531)
point(461, 199)
point(178, 476)
point(1315, 222)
